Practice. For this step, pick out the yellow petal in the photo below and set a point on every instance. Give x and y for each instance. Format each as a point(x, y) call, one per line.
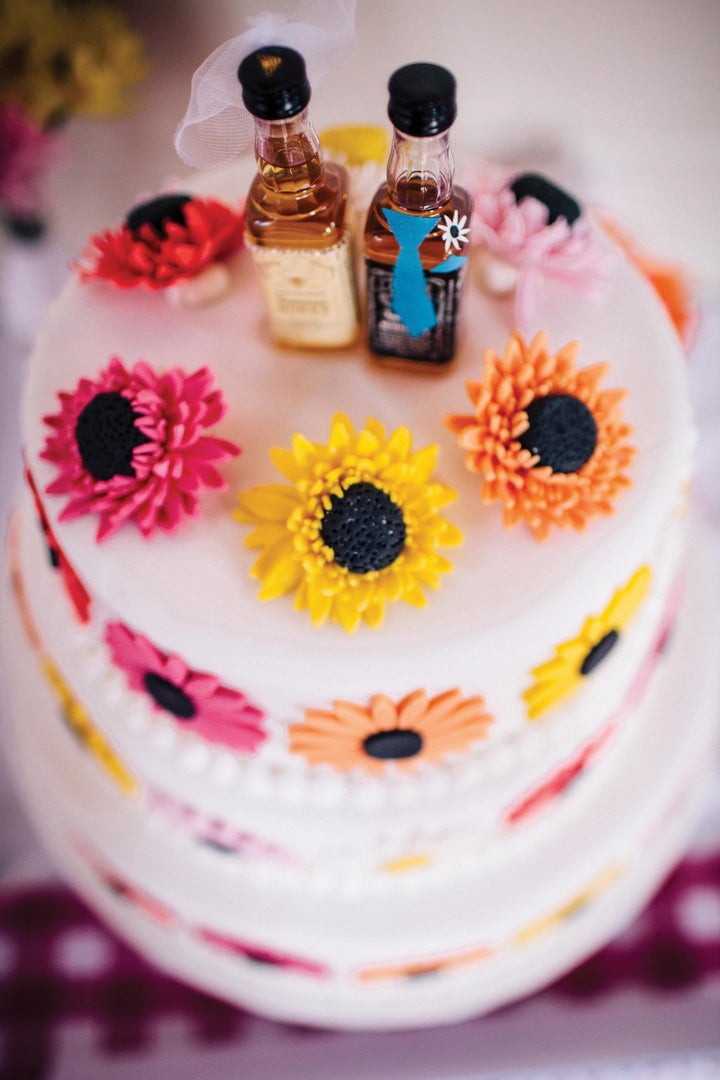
point(303, 450)
point(367, 443)
point(264, 535)
point(423, 462)
point(286, 463)
point(271, 502)
point(374, 613)
point(342, 433)
point(400, 444)
point(319, 601)
point(346, 612)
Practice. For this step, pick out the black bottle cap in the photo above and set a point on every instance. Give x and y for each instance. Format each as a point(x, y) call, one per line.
point(422, 99)
point(274, 82)
point(558, 202)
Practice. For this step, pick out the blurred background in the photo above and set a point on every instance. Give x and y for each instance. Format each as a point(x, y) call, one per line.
point(617, 100)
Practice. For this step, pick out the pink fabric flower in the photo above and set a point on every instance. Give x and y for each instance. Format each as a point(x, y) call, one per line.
point(195, 699)
point(129, 446)
point(518, 233)
point(259, 954)
point(214, 832)
point(211, 233)
point(26, 152)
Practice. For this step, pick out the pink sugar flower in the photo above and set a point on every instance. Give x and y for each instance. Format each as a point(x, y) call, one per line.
point(196, 700)
point(129, 446)
point(518, 233)
point(26, 153)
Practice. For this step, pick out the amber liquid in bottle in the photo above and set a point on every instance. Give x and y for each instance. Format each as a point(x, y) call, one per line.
point(420, 184)
point(296, 219)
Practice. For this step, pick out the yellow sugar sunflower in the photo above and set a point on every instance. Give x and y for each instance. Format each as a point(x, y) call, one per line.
point(84, 730)
point(356, 526)
point(577, 658)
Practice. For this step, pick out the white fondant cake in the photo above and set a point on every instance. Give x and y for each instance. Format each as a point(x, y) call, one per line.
point(314, 887)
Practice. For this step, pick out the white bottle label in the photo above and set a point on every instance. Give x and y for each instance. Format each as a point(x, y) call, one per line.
point(309, 293)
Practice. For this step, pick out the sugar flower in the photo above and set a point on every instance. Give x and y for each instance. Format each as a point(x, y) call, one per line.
point(167, 240)
point(62, 59)
point(550, 445)
point(407, 970)
point(356, 527)
point(576, 659)
point(403, 733)
point(86, 733)
point(541, 231)
point(76, 591)
point(129, 445)
point(261, 955)
point(195, 699)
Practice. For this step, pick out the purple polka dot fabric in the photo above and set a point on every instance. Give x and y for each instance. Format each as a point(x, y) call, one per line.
point(62, 971)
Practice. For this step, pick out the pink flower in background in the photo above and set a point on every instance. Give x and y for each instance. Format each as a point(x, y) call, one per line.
point(195, 699)
point(26, 153)
point(517, 232)
point(130, 446)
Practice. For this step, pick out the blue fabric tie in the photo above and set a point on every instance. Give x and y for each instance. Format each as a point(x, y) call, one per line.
point(410, 300)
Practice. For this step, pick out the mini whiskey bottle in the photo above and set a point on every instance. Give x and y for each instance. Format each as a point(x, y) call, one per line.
point(296, 214)
point(418, 228)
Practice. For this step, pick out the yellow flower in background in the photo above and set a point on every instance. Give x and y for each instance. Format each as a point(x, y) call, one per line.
point(354, 144)
point(107, 59)
point(577, 658)
point(356, 527)
point(57, 60)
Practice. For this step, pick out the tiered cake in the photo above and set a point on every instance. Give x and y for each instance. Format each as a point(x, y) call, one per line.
point(307, 818)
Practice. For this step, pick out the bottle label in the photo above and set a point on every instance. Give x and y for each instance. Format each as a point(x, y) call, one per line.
point(309, 294)
point(387, 333)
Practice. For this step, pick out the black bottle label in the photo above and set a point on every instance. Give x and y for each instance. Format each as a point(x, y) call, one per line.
point(388, 335)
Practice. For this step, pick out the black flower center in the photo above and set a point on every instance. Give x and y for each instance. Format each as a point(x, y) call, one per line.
point(169, 696)
point(158, 212)
point(562, 432)
point(393, 745)
point(599, 651)
point(217, 845)
point(423, 972)
point(559, 204)
point(106, 436)
point(259, 956)
point(364, 527)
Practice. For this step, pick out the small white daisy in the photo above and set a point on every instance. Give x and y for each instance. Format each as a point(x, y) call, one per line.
point(455, 232)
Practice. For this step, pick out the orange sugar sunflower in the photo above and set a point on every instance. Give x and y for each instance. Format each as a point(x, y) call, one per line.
point(550, 444)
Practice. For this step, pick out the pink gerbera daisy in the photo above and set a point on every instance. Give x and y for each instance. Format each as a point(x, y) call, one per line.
point(129, 446)
point(195, 699)
point(164, 241)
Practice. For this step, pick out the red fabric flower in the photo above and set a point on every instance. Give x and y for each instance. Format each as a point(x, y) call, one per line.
point(212, 232)
point(130, 446)
point(78, 594)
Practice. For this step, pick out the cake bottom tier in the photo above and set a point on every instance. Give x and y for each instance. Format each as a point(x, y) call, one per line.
point(416, 952)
